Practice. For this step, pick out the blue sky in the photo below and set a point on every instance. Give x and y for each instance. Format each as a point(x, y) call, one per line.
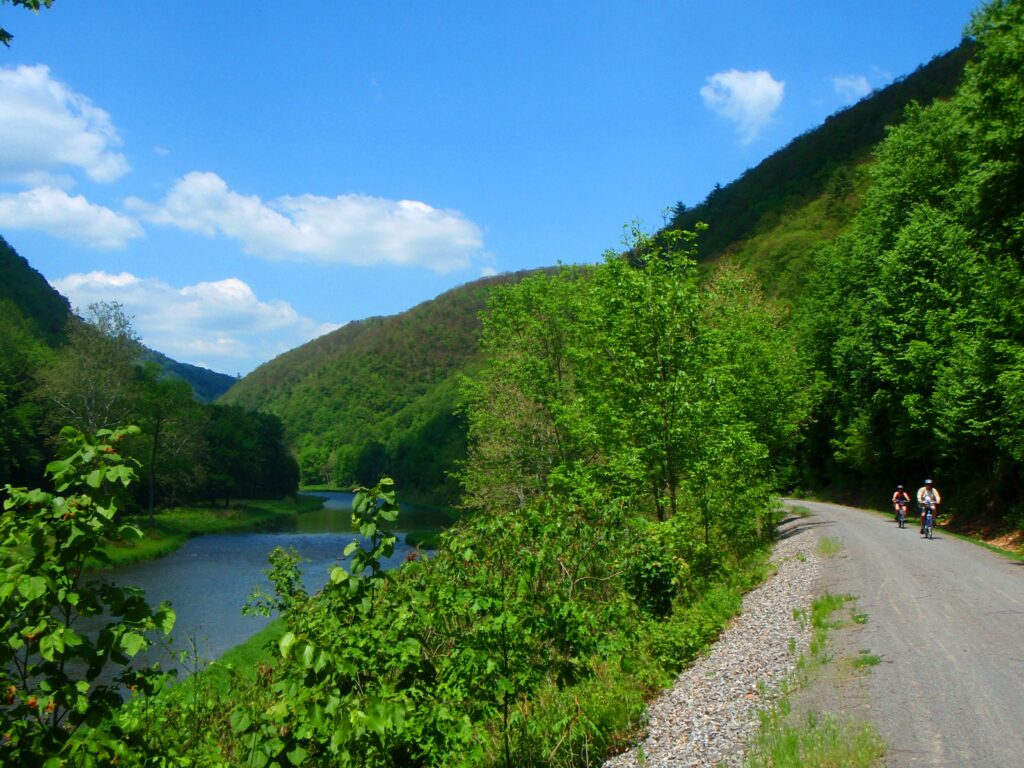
point(245, 176)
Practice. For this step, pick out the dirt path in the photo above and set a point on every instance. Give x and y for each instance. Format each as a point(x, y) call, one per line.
point(947, 619)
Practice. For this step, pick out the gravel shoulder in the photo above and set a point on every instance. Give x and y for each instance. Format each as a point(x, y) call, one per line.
point(709, 715)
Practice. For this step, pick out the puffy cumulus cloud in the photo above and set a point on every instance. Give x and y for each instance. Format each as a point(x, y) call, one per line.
point(47, 130)
point(68, 217)
point(749, 99)
point(349, 229)
point(851, 87)
point(220, 325)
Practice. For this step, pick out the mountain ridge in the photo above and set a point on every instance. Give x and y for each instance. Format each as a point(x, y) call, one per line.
point(45, 308)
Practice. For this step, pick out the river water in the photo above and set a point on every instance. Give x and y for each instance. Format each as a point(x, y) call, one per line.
point(210, 578)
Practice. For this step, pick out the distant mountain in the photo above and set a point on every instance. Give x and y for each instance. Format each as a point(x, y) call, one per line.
point(208, 385)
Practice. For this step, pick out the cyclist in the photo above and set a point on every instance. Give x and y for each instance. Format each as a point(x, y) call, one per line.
point(927, 495)
point(900, 499)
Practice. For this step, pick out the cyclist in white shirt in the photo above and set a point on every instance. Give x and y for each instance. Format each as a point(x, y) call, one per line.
point(928, 494)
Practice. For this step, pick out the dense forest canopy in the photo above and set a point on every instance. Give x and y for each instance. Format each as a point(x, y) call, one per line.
point(915, 314)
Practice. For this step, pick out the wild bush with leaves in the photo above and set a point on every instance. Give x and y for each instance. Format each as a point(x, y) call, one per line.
point(522, 642)
point(60, 680)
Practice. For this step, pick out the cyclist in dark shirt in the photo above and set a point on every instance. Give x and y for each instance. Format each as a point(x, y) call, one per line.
point(900, 498)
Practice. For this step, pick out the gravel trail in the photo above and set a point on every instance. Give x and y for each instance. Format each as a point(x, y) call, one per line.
point(710, 713)
point(947, 619)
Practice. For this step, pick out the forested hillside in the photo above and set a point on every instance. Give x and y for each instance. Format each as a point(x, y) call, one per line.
point(379, 395)
point(36, 301)
point(915, 314)
point(822, 161)
point(47, 312)
point(58, 369)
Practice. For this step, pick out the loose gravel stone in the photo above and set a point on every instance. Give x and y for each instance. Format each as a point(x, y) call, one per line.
point(708, 717)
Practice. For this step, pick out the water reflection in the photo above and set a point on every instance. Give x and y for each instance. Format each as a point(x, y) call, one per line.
point(336, 515)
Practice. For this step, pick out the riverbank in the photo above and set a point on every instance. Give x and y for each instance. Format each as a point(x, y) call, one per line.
point(169, 529)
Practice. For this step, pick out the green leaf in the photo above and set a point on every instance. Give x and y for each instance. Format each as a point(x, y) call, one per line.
point(307, 655)
point(132, 642)
point(165, 618)
point(32, 588)
point(50, 645)
point(94, 479)
point(240, 721)
point(285, 644)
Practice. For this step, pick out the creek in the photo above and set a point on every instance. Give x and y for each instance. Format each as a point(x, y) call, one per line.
point(210, 578)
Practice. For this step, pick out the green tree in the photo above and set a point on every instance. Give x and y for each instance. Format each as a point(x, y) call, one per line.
point(91, 385)
point(683, 399)
point(172, 429)
point(22, 357)
point(639, 362)
point(516, 402)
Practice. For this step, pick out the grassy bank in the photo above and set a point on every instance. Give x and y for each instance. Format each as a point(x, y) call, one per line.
point(169, 529)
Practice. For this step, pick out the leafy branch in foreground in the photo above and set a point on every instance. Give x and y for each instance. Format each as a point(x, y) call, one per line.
point(66, 641)
point(32, 5)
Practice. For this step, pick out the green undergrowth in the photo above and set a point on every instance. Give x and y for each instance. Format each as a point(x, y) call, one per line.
point(829, 546)
point(423, 539)
point(578, 725)
point(169, 529)
point(822, 740)
point(569, 719)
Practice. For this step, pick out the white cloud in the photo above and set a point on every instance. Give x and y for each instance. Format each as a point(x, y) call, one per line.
point(348, 229)
point(46, 129)
point(68, 217)
point(851, 87)
point(220, 325)
point(749, 99)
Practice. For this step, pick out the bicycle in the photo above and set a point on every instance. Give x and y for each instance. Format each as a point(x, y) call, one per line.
point(901, 513)
point(929, 521)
